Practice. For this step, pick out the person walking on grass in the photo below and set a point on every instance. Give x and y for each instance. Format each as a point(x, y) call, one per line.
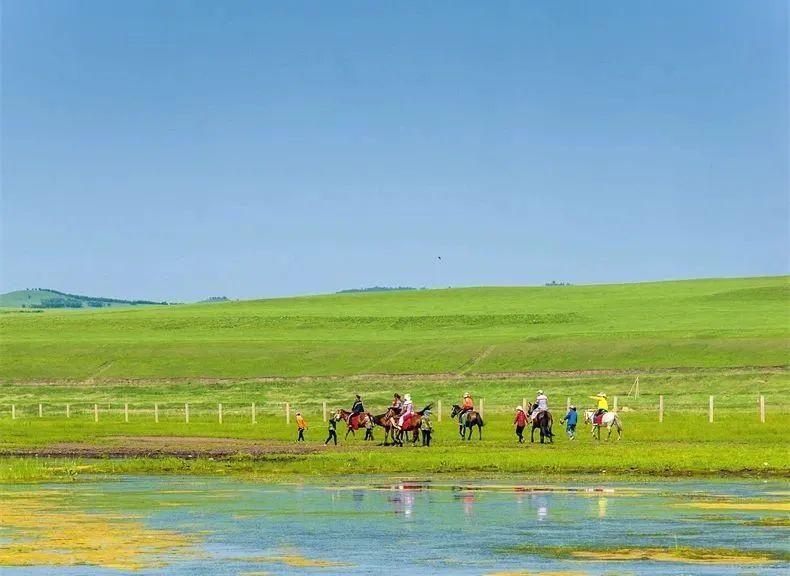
point(369, 428)
point(570, 422)
point(332, 430)
point(426, 427)
point(520, 422)
point(301, 426)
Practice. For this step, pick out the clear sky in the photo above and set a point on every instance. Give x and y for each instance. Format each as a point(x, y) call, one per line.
point(178, 150)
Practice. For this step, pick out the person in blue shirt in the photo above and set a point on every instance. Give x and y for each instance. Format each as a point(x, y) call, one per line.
point(570, 422)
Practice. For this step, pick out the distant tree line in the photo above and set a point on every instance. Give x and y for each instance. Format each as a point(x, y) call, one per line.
point(555, 283)
point(66, 300)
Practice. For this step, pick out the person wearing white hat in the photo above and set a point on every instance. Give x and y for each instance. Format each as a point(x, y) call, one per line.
point(520, 422)
point(541, 404)
point(408, 410)
point(467, 405)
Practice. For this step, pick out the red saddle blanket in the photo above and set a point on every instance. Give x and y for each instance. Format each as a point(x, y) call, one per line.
point(353, 421)
point(598, 419)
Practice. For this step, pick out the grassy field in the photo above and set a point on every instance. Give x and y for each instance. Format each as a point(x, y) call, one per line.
point(698, 323)
point(684, 444)
point(685, 340)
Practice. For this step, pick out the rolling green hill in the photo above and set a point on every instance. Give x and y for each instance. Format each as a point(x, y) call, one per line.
point(44, 299)
point(712, 323)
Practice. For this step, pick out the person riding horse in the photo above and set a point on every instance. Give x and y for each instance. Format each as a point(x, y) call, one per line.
point(395, 409)
point(406, 411)
point(541, 405)
point(356, 411)
point(466, 406)
point(602, 406)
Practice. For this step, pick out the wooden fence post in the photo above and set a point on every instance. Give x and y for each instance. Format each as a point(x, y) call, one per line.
point(287, 413)
point(762, 408)
point(481, 407)
point(186, 412)
point(710, 408)
point(439, 411)
point(567, 404)
point(95, 412)
point(156, 412)
point(252, 412)
point(323, 406)
point(614, 405)
point(661, 408)
point(13, 412)
point(40, 410)
point(219, 412)
point(68, 410)
point(126, 412)
point(524, 403)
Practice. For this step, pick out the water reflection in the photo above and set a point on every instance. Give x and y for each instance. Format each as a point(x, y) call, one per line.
point(541, 502)
point(447, 529)
point(602, 507)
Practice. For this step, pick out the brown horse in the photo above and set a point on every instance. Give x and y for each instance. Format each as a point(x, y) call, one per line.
point(542, 422)
point(410, 424)
point(473, 418)
point(353, 424)
point(385, 421)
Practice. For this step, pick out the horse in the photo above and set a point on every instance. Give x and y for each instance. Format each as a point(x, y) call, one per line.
point(609, 419)
point(542, 422)
point(473, 418)
point(385, 421)
point(353, 424)
point(410, 424)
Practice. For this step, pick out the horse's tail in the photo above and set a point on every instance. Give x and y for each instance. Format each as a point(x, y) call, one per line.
point(549, 424)
point(480, 419)
point(428, 407)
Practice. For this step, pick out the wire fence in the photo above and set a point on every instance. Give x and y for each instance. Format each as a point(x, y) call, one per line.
point(220, 412)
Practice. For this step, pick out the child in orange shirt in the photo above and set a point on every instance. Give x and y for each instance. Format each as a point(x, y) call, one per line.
point(301, 425)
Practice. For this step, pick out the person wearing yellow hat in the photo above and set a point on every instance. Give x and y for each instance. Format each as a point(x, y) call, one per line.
point(603, 404)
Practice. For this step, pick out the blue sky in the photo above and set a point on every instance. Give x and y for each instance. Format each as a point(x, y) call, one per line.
point(178, 150)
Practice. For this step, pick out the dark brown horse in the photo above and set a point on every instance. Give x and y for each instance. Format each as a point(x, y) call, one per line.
point(385, 421)
point(353, 423)
point(542, 422)
point(473, 418)
point(410, 424)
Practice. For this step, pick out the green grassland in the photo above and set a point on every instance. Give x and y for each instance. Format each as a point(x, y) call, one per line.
point(684, 444)
point(685, 340)
point(692, 324)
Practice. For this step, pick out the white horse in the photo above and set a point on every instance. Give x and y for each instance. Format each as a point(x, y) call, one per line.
point(609, 419)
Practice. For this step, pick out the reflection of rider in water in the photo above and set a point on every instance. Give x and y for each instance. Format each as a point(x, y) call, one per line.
point(408, 410)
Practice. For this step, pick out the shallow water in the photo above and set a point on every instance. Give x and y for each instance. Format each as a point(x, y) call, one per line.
point(189, 526)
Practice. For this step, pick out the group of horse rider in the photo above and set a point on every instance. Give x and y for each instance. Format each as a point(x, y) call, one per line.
point(404, 407)
point(542, 404)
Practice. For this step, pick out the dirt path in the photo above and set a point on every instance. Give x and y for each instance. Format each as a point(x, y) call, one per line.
point(434, 377)
point(476, 359)
point(159, 446)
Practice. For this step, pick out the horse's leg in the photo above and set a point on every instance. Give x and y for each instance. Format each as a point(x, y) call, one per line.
point(532, 434)
point(469, 437)
point(480, 431)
